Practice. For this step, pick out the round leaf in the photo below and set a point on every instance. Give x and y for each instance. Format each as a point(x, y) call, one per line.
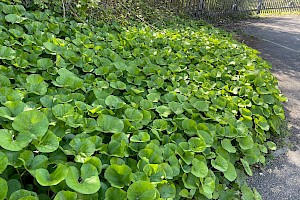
point(65, 195)
point(23, 195)
point(118, 175)
point(246, 142)
point(36, 84)
point(33, 122)
point(4, 188)
point(226, 144)
point(112, 193)
point(230, 173)
point(13, 142)
point(48, 143)
point(220, 163)
point(110, 124)
point(45, 179)
point(88, 175)
point(197, 144)
point(199, 168)
point(141, 190)
point(7, 53)
point(4, 162)
point(167, 190)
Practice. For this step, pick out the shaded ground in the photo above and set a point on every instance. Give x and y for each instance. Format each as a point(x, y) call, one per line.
point(278, 40)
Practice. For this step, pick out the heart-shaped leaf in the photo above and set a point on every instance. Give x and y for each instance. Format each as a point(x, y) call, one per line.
point(86, 181)
point(118, 175)
point(141, 190)
point(45, 179)
point(110, 124)
point(32, 122)
point(7, 53)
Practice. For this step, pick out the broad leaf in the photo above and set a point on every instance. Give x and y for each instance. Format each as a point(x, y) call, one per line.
point(65, 195)
point(12, 141)
point(220, 163)
point(32, 122)
point(45, 179)
point(141, 190)
point(118, 175)
point(7, 53)
point(112, 193)
point(110, 124)
point(86, 181)
point(4, 188)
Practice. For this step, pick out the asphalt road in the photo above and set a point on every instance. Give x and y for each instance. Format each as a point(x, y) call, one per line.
point(278, 40)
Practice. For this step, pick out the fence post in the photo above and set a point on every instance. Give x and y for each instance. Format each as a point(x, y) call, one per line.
point(260, 2)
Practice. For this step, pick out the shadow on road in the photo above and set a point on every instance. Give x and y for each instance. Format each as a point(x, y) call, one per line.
point(278, 40)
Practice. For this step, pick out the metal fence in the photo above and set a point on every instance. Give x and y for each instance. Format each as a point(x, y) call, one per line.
point(199, 8)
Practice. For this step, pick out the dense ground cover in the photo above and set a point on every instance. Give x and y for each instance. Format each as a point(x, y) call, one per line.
point(110, 111)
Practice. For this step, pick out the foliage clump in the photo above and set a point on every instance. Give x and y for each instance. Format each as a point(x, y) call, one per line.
point(107, 111)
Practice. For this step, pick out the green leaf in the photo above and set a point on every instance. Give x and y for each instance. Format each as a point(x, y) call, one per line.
point(45, 179)
point(3, 163)
point(226, 144)
point(7, 53)
point(14, 142)
point(190, 181)
point(23, 195)
point(95, 161)
point(199, 168)
point(65, 195)
point(167, 190)
point(110, 124)
point(4, 188)
point(246, 167)
point(88, 175)
point(5, 82)
point(247, 193)
point(62, 111)
point(160, 124)
point(262, 123)
point(44, 63)
point(13, 18)
point(118, 85)
point(36, 84)
point(220, 163)
point(82, 148)
point(189, 126)
point(163, 111)
point(208, 187)
point(197, 144)
point(112, 193)
point(176, 107)
point(133, 114)
point(230, 174)
point(141, 190)
point(5, 113)
point(114, 102)
point(201, 105)
point(48, 143)
point(13, 185)
point(271, 145)
point(68, 79)
point(118, 175)
point(15, 107)
point(246, 142)
point(50, 46)
point(141, 137)
point(31, 122)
